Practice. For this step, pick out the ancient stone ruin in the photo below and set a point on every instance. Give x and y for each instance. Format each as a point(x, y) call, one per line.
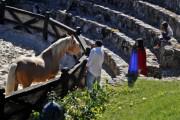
point(118, 23)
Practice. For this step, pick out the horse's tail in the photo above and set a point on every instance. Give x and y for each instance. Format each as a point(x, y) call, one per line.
point(11, 80)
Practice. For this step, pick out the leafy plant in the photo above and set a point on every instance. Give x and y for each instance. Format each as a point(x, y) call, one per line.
point(35, 115)
point(80, 104)
point(84, 105)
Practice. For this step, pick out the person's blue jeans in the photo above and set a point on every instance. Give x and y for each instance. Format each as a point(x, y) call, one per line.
point(90, 80)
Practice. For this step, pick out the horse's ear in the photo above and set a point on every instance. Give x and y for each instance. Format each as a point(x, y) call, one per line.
point(72, 39)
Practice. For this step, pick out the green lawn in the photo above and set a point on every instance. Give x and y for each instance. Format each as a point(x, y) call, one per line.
point(147, 100)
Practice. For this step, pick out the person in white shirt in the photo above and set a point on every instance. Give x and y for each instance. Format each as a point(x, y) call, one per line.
point(94, 64)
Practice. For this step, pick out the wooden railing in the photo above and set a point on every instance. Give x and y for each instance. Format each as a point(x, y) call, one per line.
point(20, 104)
point(23, 101)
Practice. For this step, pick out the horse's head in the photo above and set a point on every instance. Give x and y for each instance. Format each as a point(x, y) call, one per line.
point(74, 46)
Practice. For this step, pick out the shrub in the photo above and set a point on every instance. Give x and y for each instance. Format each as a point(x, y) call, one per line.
point(81, 104)
point(84, 105)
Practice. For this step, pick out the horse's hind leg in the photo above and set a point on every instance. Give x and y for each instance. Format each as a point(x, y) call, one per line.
point(26, 84)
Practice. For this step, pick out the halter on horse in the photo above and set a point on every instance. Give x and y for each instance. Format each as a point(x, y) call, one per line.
point(42, 67)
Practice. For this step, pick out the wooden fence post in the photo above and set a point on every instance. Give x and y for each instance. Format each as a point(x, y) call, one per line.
point(78, 30)
point(65, 81)
point(80, 81)
point(2, 11)
point(45, 28)
point(2, 102)
point(82, 42)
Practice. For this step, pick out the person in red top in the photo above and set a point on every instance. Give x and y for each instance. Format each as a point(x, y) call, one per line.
point(141, 52)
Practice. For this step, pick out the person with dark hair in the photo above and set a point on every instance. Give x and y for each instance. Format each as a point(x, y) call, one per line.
point(137, 64)
point(52, 111)
point(166, 34)
point(94, 64)
point(87, 52)
point(142, 67)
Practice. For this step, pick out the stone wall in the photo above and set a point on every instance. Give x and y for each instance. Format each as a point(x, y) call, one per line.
point(124, 23)
point(150, 13)
point(129, 23)
point(114, 40)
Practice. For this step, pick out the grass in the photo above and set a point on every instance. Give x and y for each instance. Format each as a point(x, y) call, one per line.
point(147, 100)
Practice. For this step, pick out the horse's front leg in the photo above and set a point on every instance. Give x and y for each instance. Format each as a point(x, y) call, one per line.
point(16, 86)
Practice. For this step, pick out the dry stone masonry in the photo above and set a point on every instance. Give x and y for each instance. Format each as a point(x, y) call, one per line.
point(91, 15)
point(119, 22)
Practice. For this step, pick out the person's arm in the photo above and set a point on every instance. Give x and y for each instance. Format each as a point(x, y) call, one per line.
point(170, 31)
point(90, 58)
point(103, 53)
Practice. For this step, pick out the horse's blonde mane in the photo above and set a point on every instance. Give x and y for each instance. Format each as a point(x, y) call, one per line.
point(58, 46)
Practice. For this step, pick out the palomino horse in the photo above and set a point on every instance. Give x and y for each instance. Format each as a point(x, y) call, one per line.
point(42, 67)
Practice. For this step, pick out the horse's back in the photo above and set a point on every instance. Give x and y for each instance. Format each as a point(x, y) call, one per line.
point(30, 68)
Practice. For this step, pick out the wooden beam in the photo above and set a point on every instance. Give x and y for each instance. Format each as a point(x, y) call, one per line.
point(27, 23)
point(19, 21)
point(2, 102)
point(2, 11)
point(45, 28)
point(55, 30)
point(17, 10)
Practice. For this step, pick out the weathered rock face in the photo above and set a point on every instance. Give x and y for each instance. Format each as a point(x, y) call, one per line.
point(167, 56)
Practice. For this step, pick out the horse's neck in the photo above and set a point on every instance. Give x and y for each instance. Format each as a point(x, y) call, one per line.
point(52, 61)
point(52, 58)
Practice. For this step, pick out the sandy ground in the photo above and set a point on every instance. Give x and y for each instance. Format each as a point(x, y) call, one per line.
point(8, 54)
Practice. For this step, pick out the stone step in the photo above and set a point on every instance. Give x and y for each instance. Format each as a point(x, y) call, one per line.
point(115, 19)
point(114, 40)
point(173, 5)
point(114, 4)
point(149, 13)
point(154, 14)
point(127, 24)
point(121, 5)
